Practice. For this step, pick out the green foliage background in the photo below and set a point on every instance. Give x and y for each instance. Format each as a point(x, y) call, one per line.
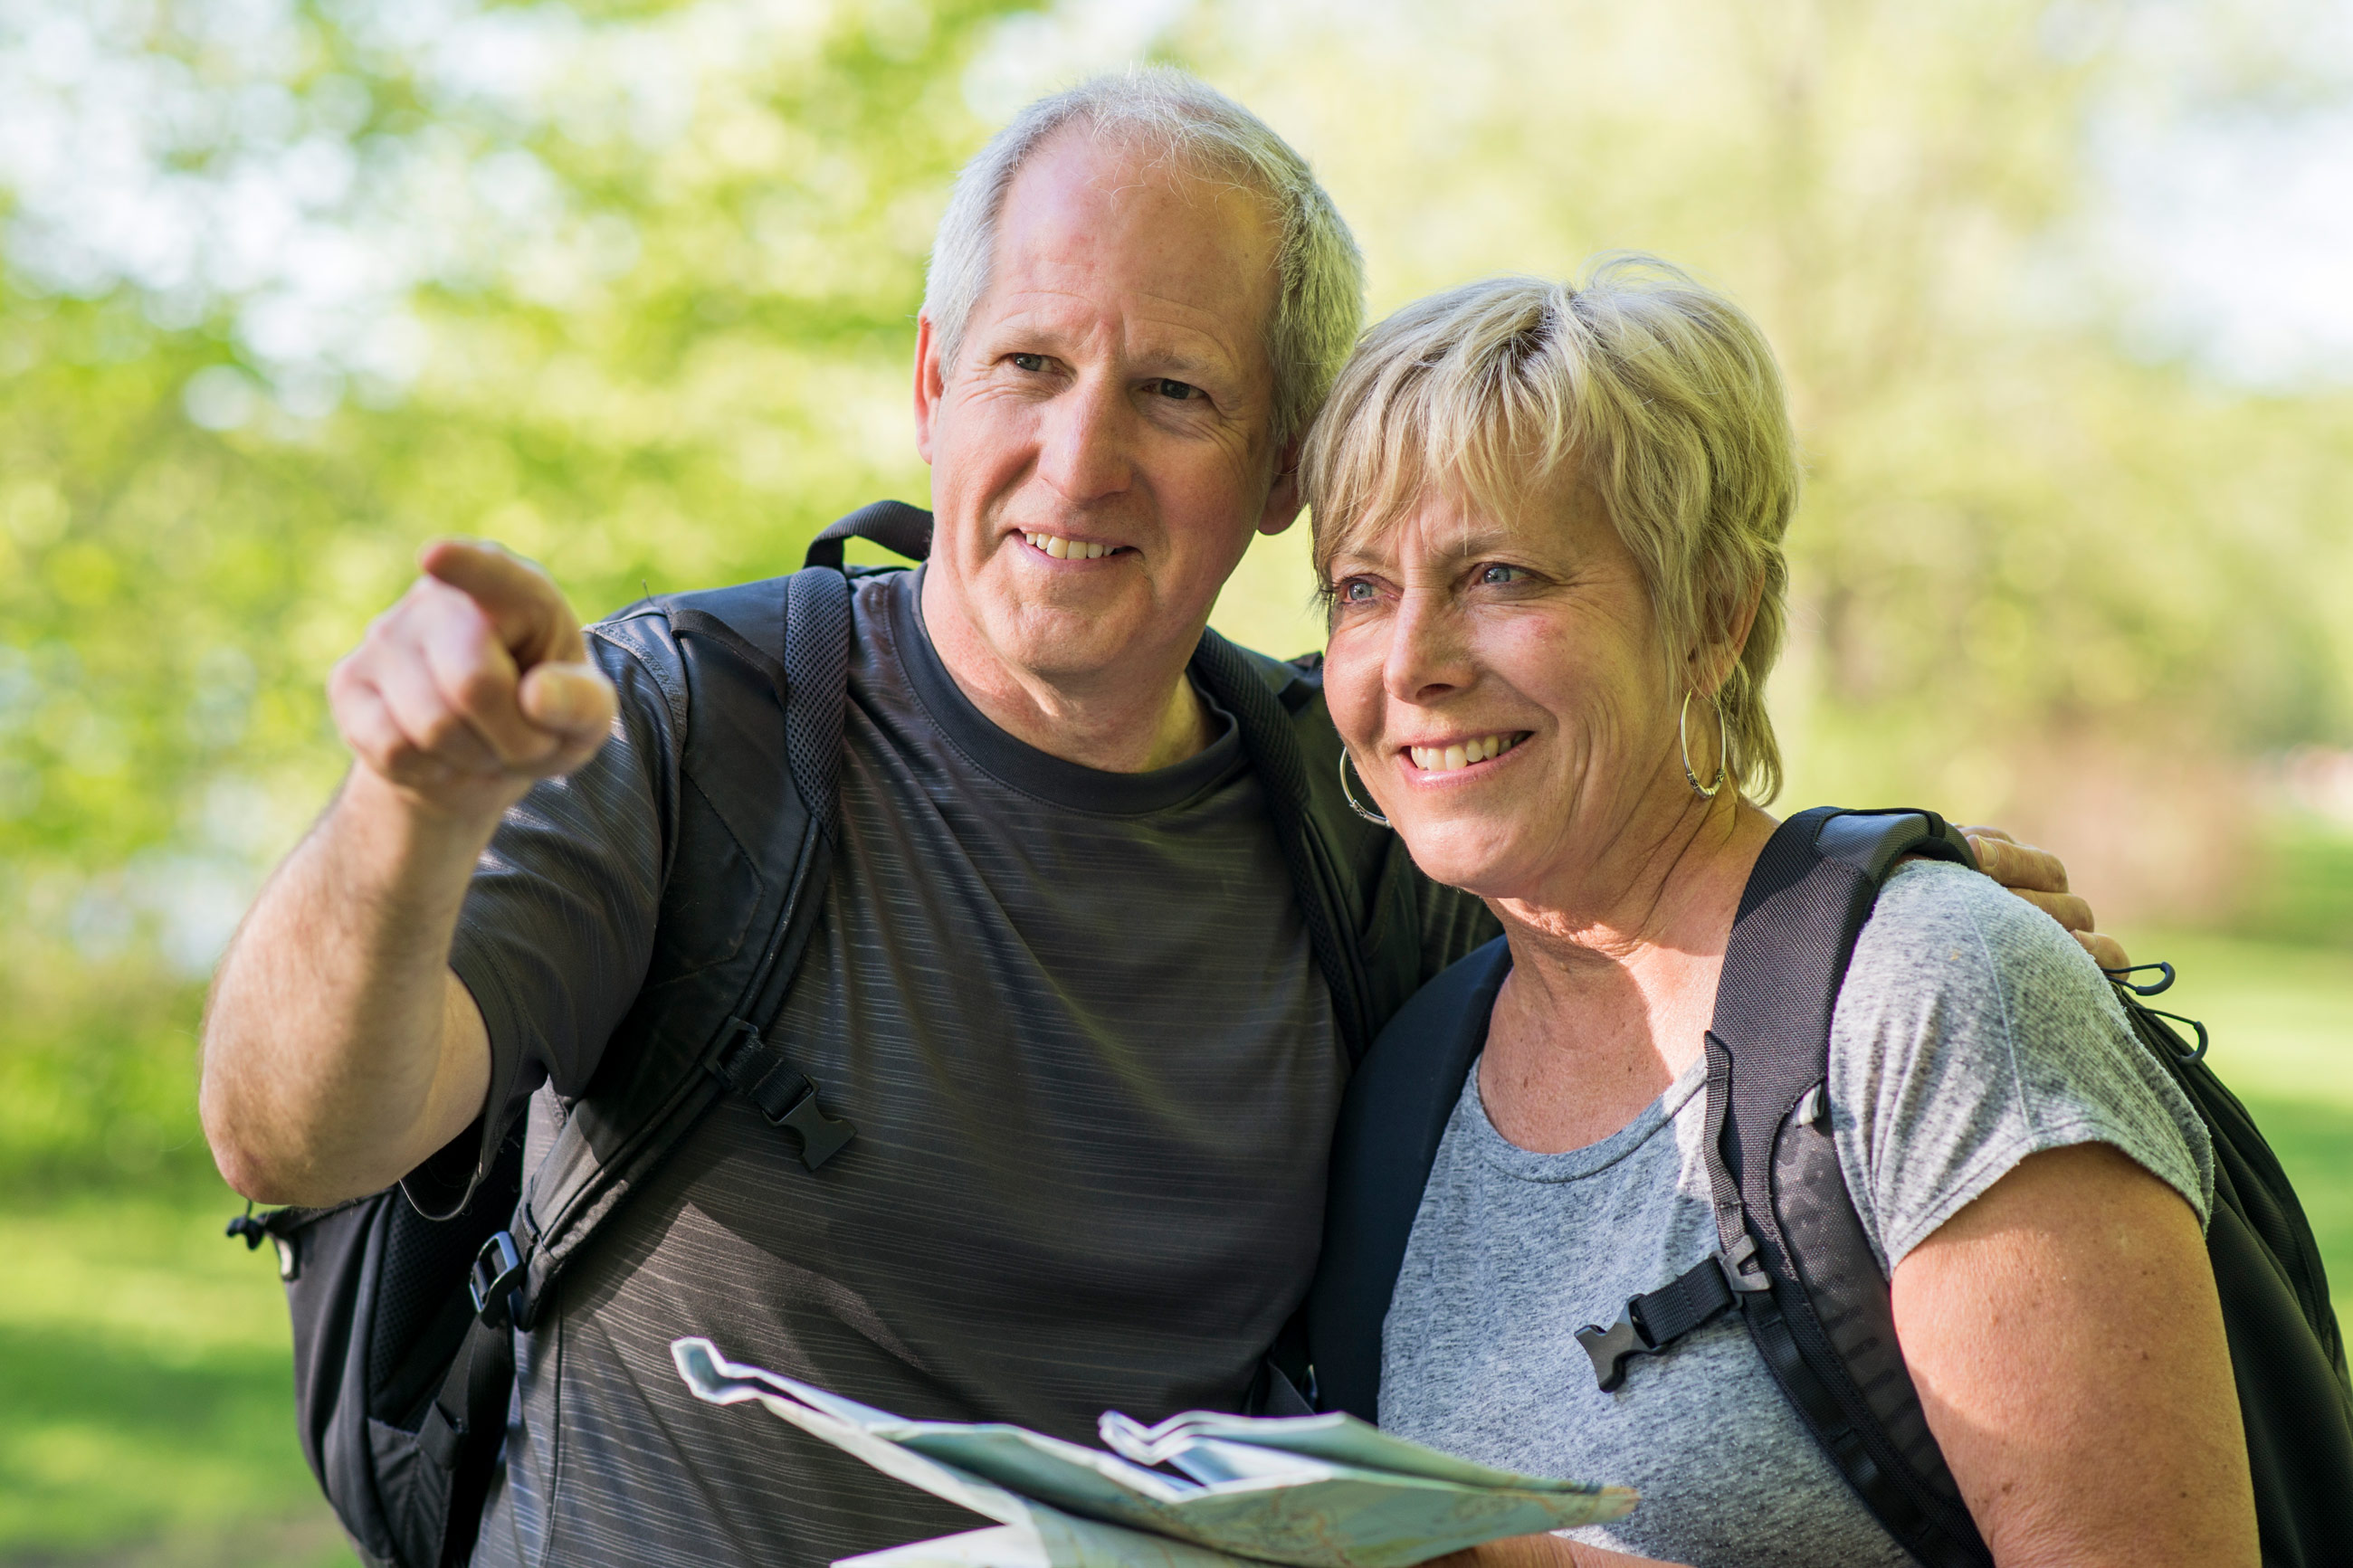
point(630, 287)
point(652, 314)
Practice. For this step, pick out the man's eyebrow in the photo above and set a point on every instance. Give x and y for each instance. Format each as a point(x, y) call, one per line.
point(1184, 364)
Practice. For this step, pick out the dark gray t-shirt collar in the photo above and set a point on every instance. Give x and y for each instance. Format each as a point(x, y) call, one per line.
point(1019, 765)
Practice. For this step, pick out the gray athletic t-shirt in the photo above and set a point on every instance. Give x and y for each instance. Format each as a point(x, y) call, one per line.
point(1971, 1033)
point(1093, 1065)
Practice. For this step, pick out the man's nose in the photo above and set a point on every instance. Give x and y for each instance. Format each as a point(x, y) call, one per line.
point(1430, 648)
point(1088, 451)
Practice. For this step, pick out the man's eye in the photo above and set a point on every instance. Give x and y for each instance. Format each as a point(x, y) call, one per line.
point(1177, 390)
point(1030, 361)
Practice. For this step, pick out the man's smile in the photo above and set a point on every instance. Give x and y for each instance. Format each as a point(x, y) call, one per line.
point(1063, 547)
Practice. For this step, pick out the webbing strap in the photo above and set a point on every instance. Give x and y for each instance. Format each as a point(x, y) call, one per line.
point(1657, 1319)
point(894, 525)
point(468, 1418)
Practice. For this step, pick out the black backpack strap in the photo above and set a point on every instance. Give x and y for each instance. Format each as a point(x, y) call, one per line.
point(1795, 1255)
point(1390, 1127)
point(461, 1433)
point(595, 1164)
point(897, 527)
point(1275, 756)
point(816, 657)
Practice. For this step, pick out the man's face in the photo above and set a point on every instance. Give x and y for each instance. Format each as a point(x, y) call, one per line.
point(1100, 445)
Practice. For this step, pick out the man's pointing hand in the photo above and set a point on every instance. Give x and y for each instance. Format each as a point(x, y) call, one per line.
point(475, 685)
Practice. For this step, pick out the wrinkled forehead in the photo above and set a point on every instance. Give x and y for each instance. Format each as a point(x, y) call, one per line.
point(1096, 211)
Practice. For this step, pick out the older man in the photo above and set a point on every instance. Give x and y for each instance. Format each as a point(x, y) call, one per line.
point(1061, 982)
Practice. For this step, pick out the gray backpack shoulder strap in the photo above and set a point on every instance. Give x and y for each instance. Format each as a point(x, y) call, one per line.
point(760, 857)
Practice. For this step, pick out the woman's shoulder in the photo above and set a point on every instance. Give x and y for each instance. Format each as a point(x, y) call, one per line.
point(1954, 974)
point(1941, 931)
point(1972, 1032)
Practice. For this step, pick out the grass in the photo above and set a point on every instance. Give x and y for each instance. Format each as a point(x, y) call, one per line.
point(2281, 1025)
point(145, 1396)
point(148, 1394)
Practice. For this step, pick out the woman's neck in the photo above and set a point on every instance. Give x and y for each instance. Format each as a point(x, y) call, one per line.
point(1614, 968)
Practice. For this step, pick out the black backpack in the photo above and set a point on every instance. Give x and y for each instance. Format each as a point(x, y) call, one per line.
point(403, 1325)
point(1795, 1262)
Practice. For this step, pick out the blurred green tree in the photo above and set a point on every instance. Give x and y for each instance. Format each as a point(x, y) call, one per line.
point(631, 287)
point(289, 287)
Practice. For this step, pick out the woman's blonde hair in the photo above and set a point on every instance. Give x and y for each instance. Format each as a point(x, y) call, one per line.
point(1660, 395)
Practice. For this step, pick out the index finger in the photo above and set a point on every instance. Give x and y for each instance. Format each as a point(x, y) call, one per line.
point(522, 601)
point(2017, 866)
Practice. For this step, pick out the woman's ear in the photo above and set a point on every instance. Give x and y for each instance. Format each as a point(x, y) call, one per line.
point(1726, 621)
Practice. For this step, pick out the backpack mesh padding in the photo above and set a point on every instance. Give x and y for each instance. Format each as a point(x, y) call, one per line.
point(421, 1307)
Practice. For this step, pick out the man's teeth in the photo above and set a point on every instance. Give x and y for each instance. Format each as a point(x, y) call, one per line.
point(1061, 549)
point(1446, 758)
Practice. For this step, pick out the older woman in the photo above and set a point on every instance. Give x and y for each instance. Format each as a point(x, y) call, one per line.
point(1550, 522)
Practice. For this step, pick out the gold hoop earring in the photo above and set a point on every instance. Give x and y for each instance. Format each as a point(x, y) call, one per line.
point(1374, 817)
point(1722, 748)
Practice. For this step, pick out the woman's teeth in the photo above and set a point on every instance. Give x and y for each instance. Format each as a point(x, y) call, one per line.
point(1061, 549)
point(1446, 758)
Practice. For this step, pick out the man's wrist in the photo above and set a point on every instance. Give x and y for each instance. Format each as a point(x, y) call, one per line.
point(411, 835)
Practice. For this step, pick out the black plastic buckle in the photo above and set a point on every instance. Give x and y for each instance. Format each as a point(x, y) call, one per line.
point(1609, 1349)
point(1741, 1270)
point(498, 1270)
point(821, 1135)
point(783, 1093)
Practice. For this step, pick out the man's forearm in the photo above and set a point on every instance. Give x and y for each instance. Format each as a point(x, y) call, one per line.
point(339, 1050)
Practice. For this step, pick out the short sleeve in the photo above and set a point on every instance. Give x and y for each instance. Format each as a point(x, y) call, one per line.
point(1972, 1032)
point(558, 928)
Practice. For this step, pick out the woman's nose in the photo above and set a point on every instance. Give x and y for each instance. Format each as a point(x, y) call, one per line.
point(1428, 654)
point(1087, 451)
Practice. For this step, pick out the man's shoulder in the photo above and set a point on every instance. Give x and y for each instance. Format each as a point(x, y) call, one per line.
point(638, 643)
point(1297, 683)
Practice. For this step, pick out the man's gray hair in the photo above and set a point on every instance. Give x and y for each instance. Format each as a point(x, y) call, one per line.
point(1178, 117)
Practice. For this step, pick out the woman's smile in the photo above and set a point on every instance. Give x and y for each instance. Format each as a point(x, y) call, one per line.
point(1462, 753)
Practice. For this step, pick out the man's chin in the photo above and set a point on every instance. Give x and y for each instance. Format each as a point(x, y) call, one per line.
point(1057, 641)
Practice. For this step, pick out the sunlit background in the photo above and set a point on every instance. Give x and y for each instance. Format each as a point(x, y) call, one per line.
point(2064, 292)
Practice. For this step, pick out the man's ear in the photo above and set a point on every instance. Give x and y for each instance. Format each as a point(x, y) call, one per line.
point(1283, 501)
point(931, 384)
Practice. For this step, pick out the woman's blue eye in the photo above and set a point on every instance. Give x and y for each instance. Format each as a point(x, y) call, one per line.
point(1496, 576)
point(1029, 362)
point(1356, 593)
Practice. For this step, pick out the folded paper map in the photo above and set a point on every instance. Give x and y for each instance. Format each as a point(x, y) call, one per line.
point(1309, 1492)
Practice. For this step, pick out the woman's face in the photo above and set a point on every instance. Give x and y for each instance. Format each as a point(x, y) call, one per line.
point(1500, 685)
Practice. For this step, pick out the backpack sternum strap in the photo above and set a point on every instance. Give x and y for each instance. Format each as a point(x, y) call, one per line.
point(767, 1077)
point(1657, 1319)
